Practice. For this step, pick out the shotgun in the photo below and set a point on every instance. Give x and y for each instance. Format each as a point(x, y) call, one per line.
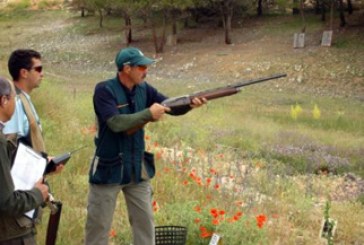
point(60, 159)
point(54, 218)
point(183, 103)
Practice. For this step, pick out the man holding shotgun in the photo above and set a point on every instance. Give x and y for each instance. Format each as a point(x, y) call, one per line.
point(123, 105)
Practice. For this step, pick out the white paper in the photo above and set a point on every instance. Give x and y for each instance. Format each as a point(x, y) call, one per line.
point(27, 169)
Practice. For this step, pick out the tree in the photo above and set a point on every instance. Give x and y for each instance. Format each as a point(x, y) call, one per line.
point(98, 6)
point(226, 8)
point(260, 8)
point(79, 5)
point(342, 15)
point(350, 7)
point(227, 15)
point(161, 14)
point(127, 9)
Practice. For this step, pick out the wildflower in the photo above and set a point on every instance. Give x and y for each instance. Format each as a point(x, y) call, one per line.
point(197, 209)
point(112, 233)
point(217, 186)
point(261, 219)
point(213, 171)
point(295, 111)
point(185, 182)
point(147, 137)
point(197, 220)
point(215, 221)
point(237, 216)
point(214, 212)
point(208, 181)
point(316, 113)
point(198, 180)
point(204, 233)
point(155, 206)
point(159, 155)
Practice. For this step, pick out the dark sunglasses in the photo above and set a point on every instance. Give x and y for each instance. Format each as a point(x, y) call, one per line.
point(142, 67)
point(38, 68)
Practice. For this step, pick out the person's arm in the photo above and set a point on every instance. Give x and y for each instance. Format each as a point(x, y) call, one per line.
point(16, 126)
point(107, 111)
point(153, 96)
point(15, 203)
point(122, 122)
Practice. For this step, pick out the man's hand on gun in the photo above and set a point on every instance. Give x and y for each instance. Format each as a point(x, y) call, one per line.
point(43, 188)
point(58, 169)
point(197, 102)
point(158, 110)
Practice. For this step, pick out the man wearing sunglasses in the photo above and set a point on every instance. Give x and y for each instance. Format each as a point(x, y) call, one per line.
point(13, 204)
point(123, 105)
point(25, 67)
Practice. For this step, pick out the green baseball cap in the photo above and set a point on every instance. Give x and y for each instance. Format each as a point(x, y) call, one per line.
point(131, 56)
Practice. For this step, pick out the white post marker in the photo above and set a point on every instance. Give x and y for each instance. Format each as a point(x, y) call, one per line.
point(215, 239)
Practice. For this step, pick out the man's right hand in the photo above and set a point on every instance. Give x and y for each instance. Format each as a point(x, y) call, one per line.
point(43, 188)
point(158, 111)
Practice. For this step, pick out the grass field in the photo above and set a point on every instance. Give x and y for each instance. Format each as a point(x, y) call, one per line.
point(254, 158)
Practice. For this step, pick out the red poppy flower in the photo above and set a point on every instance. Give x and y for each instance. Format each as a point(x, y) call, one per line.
point(261, 219)
point(197, 209)
point(215, 221)
point(112, 233)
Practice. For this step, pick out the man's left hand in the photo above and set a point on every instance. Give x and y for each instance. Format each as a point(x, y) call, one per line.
point(58, 169)
point(197, 102)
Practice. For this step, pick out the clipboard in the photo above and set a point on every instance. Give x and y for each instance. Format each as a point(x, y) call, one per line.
point(28, 167)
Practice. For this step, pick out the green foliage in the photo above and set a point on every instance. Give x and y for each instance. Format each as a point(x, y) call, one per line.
point(361, 199)
point(46, 4)
point(19, 5)
point(328, 225)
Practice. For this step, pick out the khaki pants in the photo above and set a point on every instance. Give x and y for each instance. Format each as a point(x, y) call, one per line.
point(101, 207)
